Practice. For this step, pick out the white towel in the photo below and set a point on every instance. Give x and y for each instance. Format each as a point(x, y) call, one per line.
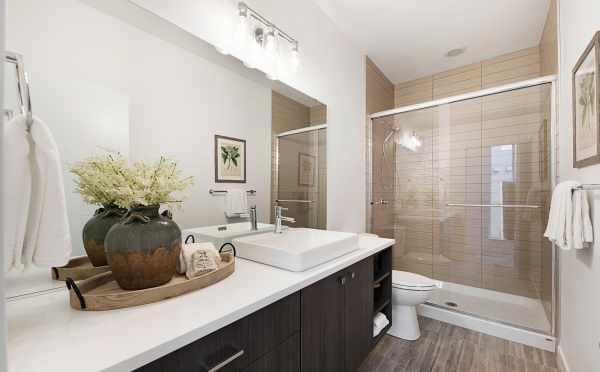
point(48, 242)
point(583, 233)
point(380, 321)
point(569, 225)
point(198, 258)
point(16, 180)
point(236, 203)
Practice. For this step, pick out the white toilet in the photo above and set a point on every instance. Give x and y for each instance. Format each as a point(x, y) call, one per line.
point(408, 291)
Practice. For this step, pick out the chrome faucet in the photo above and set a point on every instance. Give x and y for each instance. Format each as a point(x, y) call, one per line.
point(253, 219)
point(279, 217)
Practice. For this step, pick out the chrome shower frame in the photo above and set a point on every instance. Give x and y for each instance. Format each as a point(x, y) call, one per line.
point(550, 79)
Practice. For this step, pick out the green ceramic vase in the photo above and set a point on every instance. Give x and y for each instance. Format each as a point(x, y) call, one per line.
point(95, 230)
point(143, 248)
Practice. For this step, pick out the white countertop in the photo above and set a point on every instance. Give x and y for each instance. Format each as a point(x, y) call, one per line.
point(46, 334)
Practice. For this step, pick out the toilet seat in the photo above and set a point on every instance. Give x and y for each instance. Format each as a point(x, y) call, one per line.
point(413, 282)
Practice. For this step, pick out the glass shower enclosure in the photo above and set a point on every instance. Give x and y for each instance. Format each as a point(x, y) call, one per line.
point(464, 186)
point(301, 179)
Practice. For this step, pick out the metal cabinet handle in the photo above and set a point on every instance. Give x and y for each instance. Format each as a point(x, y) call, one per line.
point(220, 365)
point(353, 275)
point(343, 280)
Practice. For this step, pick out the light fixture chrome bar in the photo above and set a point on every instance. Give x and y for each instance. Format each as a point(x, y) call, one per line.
point(467, 96)
point(493, 205)
point(220, 192)
point(243, 7)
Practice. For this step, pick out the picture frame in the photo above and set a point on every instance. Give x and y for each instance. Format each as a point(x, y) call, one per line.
point(306, 169)
point(586, 106)
point(230, 160)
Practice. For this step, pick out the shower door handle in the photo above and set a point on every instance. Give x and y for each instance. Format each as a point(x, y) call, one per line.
point(493, 205)
point(380, 202)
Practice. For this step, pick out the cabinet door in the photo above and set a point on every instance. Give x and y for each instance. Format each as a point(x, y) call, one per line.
point(322, 344)
point(285, 358)
point(359, 313)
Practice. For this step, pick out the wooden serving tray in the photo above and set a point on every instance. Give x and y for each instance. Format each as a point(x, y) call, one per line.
point(102, 292)
point(78, 268)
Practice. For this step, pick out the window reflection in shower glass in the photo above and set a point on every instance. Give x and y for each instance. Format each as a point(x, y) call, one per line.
point(501, 179)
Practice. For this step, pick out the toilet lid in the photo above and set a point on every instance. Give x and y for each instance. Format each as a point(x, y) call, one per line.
point(404, 279)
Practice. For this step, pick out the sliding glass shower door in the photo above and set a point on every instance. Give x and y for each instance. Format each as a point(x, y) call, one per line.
point(464, 188)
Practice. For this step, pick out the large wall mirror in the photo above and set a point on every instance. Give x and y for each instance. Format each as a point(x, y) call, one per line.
point(125, 80)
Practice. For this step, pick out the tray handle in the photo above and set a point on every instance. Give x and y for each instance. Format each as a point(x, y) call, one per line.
point(188, 238)
point(232, 247)
point(71, 285)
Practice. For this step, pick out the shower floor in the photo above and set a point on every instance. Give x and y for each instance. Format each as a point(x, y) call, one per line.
point(507, 308)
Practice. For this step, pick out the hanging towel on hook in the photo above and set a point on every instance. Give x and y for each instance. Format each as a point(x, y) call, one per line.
point(16, 179)
point(48, 241)
point(33, 203)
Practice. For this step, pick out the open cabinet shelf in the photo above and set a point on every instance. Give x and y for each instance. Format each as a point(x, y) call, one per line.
point(382, 288)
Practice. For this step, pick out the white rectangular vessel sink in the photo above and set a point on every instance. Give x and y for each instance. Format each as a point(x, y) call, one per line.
point(296, 249)
point(221, 234)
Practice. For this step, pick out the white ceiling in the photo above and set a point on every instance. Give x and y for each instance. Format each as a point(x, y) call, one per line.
point(407, 39)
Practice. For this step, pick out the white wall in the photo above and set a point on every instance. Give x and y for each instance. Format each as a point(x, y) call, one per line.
point(332, 71)
point(579, 271)
point(86, 64)
point(3, 362)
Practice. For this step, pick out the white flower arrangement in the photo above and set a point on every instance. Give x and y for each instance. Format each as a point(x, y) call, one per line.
point(110, 181)
point(98, 178)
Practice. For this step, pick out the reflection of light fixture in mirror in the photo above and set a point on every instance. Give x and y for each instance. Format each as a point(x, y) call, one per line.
point(257, 43)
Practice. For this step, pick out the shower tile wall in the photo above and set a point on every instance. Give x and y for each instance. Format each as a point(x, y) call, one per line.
point(379, 97)
point(517, 66)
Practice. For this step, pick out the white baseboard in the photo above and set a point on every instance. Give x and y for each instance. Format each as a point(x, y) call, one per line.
point(489, 327)
point(563, 366)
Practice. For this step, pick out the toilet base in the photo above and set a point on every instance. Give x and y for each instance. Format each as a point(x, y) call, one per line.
point(405, 324)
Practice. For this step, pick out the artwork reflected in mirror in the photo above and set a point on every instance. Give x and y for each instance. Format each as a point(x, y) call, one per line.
point(586, 120)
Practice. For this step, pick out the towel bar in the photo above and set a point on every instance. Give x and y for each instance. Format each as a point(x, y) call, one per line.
point(221, 192)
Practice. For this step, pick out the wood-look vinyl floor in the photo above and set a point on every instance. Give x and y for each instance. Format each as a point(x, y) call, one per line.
point(447, 348)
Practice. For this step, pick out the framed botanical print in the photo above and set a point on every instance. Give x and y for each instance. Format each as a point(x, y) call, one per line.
point(586, 103)
point(230, 160)
point(306, 169)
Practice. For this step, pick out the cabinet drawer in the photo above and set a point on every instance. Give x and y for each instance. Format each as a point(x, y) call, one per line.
point(224, 347)
point(237, 345)
point(273, 325)
point(285, 358)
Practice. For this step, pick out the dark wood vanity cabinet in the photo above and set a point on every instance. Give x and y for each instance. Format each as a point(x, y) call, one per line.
point(337, 320)
point(325, 327)
point(242, 345)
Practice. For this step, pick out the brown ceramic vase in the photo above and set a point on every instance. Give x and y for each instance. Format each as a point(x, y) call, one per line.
point(95, 230)
point(143, 248)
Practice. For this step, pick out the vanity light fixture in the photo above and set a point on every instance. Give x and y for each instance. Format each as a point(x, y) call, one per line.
point(260, 44)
